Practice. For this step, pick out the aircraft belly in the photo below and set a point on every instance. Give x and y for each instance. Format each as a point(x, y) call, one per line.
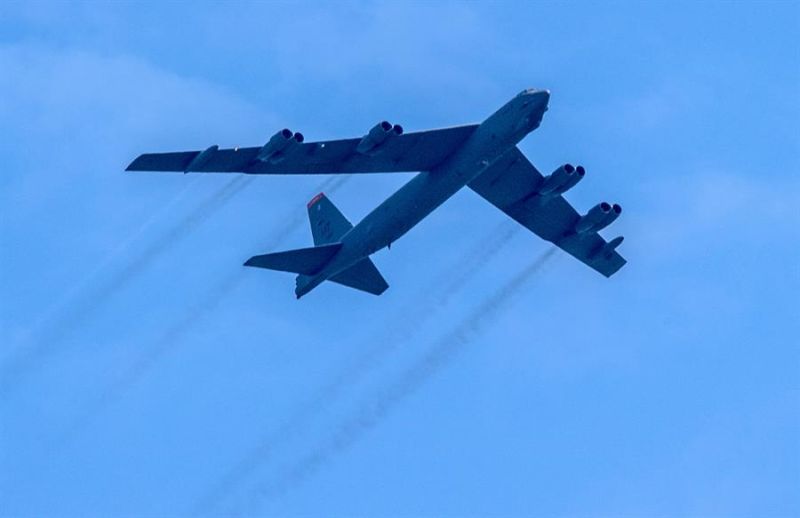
point(413, 203)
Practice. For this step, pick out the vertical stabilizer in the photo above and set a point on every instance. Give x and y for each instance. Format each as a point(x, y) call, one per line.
point(328, 224)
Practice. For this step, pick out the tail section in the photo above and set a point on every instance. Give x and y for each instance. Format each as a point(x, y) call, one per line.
point(305, 261)
point(328, 224)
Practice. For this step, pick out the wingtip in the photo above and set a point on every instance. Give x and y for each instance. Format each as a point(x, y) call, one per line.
point(617, 267)
point(132, 166)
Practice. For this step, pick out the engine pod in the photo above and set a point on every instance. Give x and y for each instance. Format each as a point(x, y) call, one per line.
point(377, 137)
point(592, 219)
point(560, 180)
point(598, 218)
point(278, 145)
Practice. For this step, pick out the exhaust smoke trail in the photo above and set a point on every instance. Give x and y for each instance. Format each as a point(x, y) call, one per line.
point(112, 256)
point(373, 411)
point(297, 218)
point(24, 360)
point(141, 366)
point(173, 334)
point(376, 349)
point(202, 213)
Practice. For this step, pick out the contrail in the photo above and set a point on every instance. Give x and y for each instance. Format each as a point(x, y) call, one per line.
point(24, 359)
point(297, 218)
point(199, 215)
point(168, 340)
point(174, 333)
point(375, 350)
point(373, 411)
point(110, 258)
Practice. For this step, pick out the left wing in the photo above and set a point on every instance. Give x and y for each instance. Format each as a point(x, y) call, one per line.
point(515, 186)
point(406, 152)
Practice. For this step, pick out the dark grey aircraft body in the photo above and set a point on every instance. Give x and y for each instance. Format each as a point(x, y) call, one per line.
point(482, 156)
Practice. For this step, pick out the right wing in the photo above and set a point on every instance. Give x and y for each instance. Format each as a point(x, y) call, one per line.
point(511, 184)
point(417, 151)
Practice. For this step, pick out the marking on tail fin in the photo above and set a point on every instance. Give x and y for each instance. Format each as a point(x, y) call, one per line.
point(328, 224)
point(315, 199)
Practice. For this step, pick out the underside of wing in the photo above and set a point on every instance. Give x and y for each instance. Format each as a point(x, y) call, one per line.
point(382, 150)
point(516, 187)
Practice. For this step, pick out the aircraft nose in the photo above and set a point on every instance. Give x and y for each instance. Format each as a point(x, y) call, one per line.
point(537, 99)
point(543, 96)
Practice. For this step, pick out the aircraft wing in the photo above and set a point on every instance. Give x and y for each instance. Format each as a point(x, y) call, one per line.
point(417, 151)
point(511, 184)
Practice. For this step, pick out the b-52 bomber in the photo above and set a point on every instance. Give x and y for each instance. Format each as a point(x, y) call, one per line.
point(483, 157)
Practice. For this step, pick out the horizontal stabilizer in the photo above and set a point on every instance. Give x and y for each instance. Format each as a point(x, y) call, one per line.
point(305, 261)
point(362, 276)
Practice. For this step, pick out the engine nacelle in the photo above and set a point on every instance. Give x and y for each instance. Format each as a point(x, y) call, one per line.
point(279, 145)
point(598, 218)
point(377, 137)
point(561, 180)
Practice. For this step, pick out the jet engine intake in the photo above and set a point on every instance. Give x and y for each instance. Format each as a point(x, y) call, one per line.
point(561, 180)
point(279, 145)
point(598, 218)
point(377, 137)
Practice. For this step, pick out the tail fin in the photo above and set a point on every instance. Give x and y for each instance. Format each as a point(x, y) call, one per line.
point(328, 224)
point(305, 261)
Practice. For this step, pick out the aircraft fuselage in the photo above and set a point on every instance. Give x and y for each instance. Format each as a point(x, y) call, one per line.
point(410, 204)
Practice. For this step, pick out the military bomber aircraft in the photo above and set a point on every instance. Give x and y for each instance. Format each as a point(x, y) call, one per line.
point(483, 157)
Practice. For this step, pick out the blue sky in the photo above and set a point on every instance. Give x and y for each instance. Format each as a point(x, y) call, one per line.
point(146, 373)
